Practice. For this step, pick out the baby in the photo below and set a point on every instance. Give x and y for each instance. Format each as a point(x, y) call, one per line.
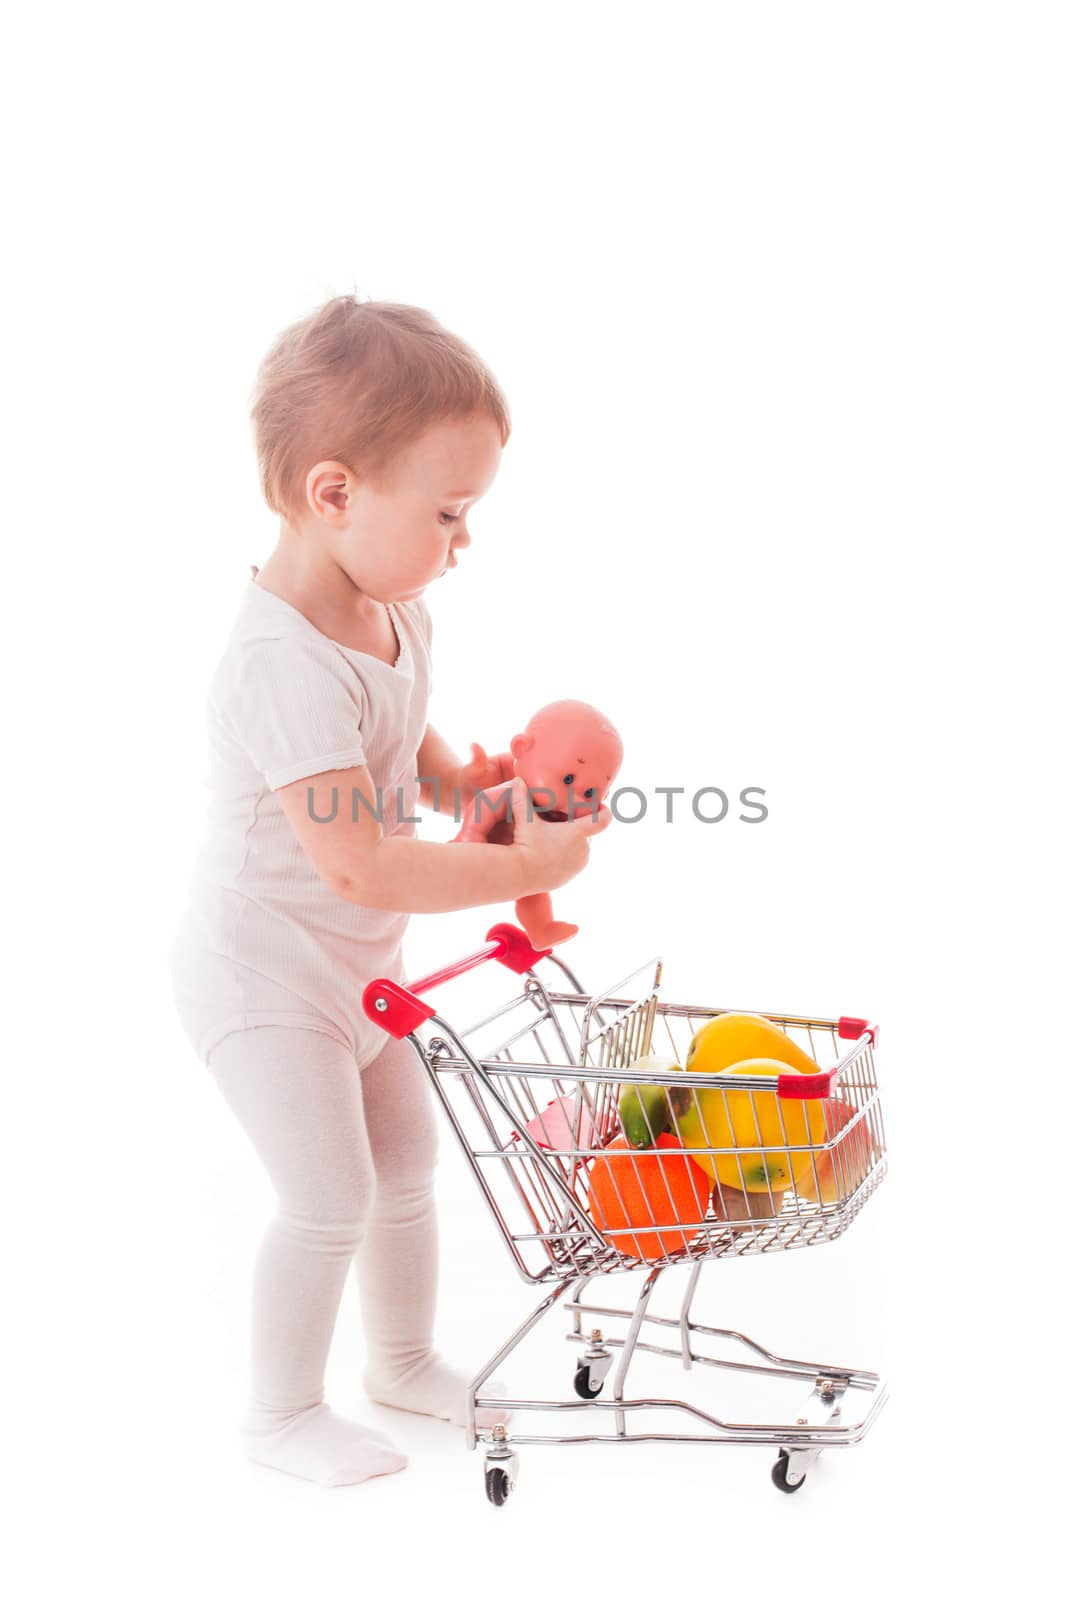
point(376, 430)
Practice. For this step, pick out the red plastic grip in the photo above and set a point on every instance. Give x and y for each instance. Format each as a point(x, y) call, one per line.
point(516, 953)
point(394, 1006)
point(806, 1085)
point(855, 1027)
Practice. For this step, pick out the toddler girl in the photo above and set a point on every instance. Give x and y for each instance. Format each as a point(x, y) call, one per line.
point(376, 431)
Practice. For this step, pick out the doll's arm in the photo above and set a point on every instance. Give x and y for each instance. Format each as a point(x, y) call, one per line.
point(447, 783)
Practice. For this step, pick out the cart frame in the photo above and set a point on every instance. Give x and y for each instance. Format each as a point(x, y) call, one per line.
point(546, 1189)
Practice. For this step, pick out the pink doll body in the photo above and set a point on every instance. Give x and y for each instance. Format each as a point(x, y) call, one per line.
point(568, 756)
point(565, 1125)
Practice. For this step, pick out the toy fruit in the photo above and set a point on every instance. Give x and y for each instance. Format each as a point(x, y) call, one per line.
point(734, 1119)
point(838, 1173)
point(741, 1036)
point(737, 1206)
point(643, 1106)
point(657, 1188)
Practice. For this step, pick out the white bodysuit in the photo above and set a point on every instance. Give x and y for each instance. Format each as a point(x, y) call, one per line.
point(262, 939)
point(268, 967)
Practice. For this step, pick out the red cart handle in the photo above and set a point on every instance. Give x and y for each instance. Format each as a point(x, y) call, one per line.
point(393, 1006)
point(818, 1085)
point(806, 1085)
point(856, 1027)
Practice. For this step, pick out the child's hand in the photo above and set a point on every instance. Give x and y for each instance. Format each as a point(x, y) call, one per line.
point(483, 772)
point(552, 853)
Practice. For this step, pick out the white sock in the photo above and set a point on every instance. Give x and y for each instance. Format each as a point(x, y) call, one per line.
point(435, 1389)
point(316, 1443)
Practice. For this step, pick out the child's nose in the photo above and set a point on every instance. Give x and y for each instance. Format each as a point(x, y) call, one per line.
point(461, 540)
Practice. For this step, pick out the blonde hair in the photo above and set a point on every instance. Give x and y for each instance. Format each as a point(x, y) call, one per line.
point(359, 381)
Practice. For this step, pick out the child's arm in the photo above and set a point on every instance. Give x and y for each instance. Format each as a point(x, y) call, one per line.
point(397, 873)
point(439, 770)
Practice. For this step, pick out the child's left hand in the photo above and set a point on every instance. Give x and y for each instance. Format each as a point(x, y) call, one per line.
point(483, 772)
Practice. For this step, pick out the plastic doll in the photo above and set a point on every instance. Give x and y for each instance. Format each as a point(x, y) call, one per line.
point(568, 756)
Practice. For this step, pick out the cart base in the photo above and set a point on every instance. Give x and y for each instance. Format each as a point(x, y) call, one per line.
point(834, 1407)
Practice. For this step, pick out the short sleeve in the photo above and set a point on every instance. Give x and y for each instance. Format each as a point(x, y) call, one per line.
point(426, 625)
point(427, 622)
point(296, 708)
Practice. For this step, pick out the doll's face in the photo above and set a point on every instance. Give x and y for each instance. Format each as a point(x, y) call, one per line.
point(570, 754)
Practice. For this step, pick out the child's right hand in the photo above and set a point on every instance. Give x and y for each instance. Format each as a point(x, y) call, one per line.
point(551, 853)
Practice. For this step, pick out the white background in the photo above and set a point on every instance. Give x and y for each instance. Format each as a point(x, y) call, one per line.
point(776, 294)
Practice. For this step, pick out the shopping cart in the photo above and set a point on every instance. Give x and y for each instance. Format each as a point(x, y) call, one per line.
point(532, 1092)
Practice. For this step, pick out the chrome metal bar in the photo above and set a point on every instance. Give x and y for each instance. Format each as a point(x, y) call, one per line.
point(787, 1366)
point(683, 1317)
point(616, 1074)
point(868, 1380)
point(536, 1155)
point(486, 1372)
point(792, 1435)
point(636, 1319)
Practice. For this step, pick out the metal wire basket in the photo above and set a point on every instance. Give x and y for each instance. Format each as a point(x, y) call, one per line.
point(594, 1163)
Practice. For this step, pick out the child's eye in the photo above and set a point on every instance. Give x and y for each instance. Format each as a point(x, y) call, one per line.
point(447, 517)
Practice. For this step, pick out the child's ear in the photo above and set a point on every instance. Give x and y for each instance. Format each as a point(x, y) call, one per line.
point(521, 745)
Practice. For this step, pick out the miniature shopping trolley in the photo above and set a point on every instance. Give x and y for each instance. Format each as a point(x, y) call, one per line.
point(590, 1173)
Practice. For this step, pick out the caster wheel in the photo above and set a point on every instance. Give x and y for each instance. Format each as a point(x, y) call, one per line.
point(585, 1384)
point(497, 1485)
point(778, 1475)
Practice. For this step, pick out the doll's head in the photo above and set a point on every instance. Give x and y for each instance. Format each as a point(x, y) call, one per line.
point(376, 429)
point(570, 753)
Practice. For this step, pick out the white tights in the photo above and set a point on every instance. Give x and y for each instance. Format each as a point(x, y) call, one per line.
point(351, 1156)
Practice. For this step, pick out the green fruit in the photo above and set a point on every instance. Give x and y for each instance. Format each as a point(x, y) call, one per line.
point(643, 1106)
point(643, 1113)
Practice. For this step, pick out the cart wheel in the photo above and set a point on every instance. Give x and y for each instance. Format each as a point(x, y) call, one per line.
point(497, 1485)
point(778, 1475)
point(585, 1384)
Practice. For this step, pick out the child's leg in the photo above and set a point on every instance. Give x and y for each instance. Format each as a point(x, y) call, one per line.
point(297, 1094)
point(396, 1263)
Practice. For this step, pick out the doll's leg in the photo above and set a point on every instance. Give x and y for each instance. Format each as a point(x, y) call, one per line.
point(534, 914)
point(396, 1264)
point(297, 1094)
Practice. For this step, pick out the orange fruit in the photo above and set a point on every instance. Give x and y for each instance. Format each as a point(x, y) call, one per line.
point(647, 1189)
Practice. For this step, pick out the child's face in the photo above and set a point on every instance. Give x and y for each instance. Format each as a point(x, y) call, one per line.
point(398, 535)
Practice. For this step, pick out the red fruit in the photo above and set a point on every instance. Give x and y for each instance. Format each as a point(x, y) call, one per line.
point(837, 1173)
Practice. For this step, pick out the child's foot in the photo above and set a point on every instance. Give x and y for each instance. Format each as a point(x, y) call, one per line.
point(435, 1389)
point(318, 1444)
